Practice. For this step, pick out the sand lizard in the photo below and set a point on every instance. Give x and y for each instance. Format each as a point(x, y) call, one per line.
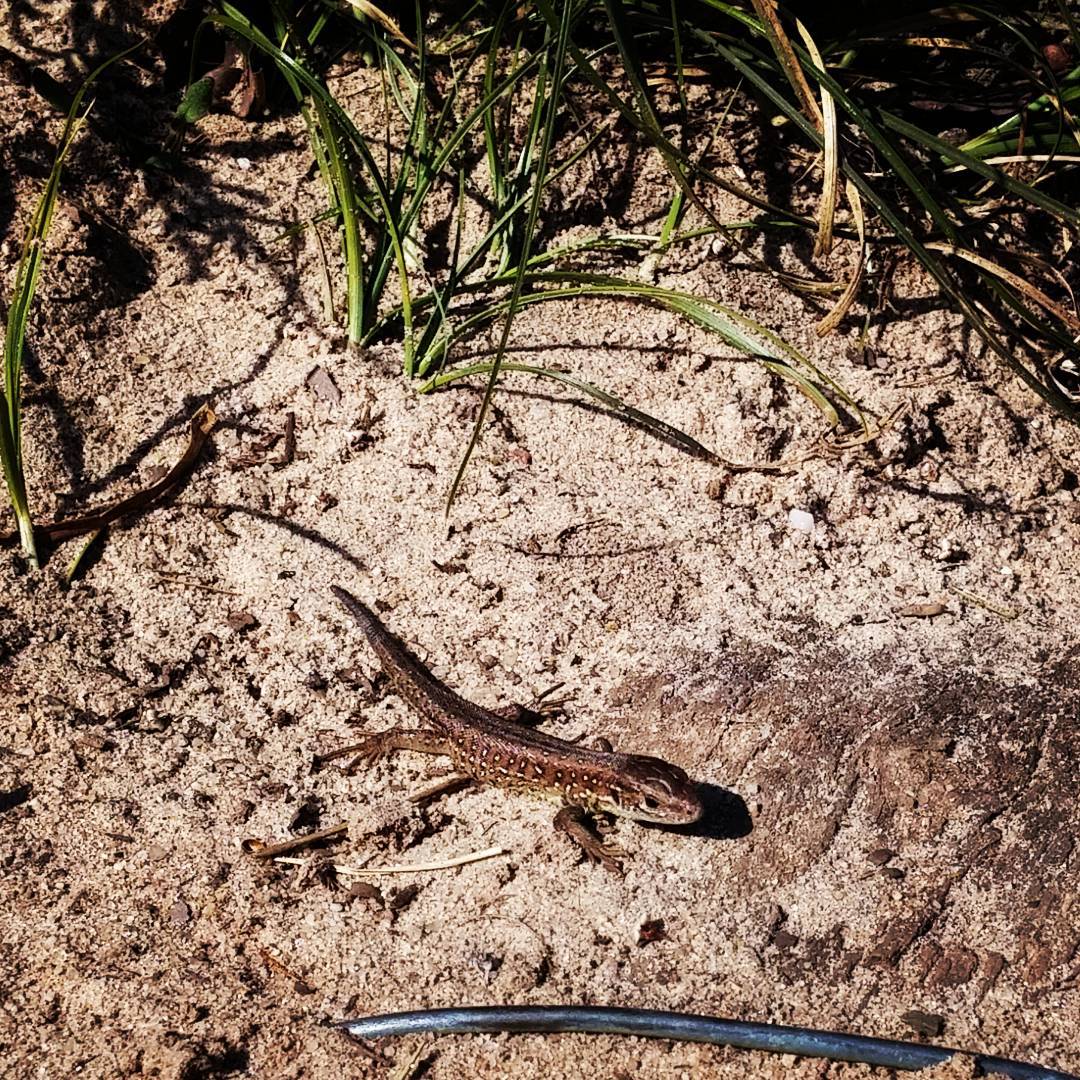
point(491, 747)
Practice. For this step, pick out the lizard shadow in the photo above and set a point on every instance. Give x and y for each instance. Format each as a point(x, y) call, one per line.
point(726, 816)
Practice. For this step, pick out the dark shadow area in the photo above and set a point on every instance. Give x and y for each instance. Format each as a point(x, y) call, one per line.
point(216, 1062)
point(726, 817)
point(589, 407)
point(47, 546)
point(304, 532)
point(15, 797)
point(69, 437)
point(600, 410)
point(115, 166)
point(132, 124)
point(972, 503)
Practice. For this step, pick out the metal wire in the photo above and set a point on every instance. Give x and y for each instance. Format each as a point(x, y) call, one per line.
point(656, 1024)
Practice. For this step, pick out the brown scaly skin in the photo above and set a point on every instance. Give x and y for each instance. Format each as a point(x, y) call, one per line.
point(493, 749)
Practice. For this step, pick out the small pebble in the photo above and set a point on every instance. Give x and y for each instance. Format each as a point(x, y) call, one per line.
point(927, 1024)
point(784, 941)
point(801, 520)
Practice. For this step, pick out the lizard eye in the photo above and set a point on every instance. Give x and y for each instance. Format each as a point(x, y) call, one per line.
point(649, 804)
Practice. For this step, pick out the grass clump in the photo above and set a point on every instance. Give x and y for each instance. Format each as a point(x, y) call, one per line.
point(880, 112)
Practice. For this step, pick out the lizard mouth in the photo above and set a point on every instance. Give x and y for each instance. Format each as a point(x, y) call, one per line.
point(684, 812)
point(681, 815)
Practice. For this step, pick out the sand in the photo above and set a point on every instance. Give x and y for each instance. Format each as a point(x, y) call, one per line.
point(893, 794)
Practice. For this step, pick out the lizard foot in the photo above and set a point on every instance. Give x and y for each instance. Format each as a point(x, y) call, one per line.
point(575, 822)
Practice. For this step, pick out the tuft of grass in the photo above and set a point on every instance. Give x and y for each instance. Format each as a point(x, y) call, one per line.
point(520, 120)
point(27, 274)
point(484, 115)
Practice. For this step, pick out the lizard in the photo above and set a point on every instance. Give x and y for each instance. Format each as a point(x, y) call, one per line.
point(492, 747)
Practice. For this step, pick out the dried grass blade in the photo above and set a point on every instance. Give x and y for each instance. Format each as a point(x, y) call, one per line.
point(830, 189)
point(377, 15)
point(778, 38)
point(650, 423)
point(406, 868)
point(1033, 292)
point(832, 320)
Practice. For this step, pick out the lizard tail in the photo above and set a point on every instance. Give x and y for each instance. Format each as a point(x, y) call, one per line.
point(361, 613)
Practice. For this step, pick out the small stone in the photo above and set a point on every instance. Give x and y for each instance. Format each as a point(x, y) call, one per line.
point(880, 856)
point(314, 680)
point(651, 930)
point(322, 385)
point(241, 621)
point(364, 890)
point(179, 913)
point(716, 487)
point(156, 852)
point(402, 898)
point(784, 941)
point(929, 1024)
point(801, 520)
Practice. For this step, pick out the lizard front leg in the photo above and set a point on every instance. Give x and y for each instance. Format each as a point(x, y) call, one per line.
point(577, 824)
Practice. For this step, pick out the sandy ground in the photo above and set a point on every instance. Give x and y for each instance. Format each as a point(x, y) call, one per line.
point(893, 798)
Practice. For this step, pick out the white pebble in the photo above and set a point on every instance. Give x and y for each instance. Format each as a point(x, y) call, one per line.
point(801, 520)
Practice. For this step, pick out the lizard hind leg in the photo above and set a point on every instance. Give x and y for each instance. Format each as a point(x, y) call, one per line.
point(543, 707)
point(577, 824)
point(375, 746)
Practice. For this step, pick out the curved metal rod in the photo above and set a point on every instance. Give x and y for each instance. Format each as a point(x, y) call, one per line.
point(656, 1024)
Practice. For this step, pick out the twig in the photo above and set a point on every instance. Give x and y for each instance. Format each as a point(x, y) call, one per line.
point(415, 868)
point(202, 423)
point(271, 851)
point(446, 786)
point(170, 577)
point(288, 451)
point(989, 605)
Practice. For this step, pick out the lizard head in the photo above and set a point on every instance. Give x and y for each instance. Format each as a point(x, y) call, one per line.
point(653, 790)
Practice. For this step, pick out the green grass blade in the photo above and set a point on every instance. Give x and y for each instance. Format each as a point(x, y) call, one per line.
point(448, 146)
point(426, 355)
point(298, 76)
point(891, 214)
point(344, 195)
point(741, 332)
point(651, 423)
point(26, 280)
point(559, 51)
point(1002, 179)
point(665, 147)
